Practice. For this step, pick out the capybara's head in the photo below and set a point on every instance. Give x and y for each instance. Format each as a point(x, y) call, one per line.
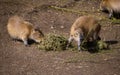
point(78, 34)
point(37, 35)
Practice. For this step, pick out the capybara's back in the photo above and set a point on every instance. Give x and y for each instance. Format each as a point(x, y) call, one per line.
point(88, 25)
point(21, 29)
point(17, 28)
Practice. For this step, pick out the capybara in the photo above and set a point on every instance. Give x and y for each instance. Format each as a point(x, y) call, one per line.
point(18, 28)
point(112, 6)
point(84, 28)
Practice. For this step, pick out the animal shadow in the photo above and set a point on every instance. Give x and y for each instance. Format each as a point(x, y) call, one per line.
point(116, 15)
point(111, 42)
point(92, 46)
point(30, 41)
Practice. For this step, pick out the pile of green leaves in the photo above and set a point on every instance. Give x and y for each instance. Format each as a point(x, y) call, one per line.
point(53, 42)
point(102, 45)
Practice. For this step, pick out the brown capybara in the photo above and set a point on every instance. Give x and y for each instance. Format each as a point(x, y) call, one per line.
point(84, 28)
point(111, 6)
point(23, 30)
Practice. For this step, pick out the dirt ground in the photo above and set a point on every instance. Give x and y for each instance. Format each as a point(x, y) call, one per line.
point(17, 59)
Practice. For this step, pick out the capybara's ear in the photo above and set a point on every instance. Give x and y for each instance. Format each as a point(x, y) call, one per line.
point(38, 30)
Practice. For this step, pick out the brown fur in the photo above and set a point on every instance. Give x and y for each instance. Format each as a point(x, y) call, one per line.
point(23, 30)
point(85, 27)
point(111, 6)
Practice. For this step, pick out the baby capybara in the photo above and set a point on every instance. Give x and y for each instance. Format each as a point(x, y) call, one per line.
point(18, 28)
point(85, 27)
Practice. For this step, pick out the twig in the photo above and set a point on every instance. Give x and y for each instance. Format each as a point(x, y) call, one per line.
point(85, 13)
point(68, 10)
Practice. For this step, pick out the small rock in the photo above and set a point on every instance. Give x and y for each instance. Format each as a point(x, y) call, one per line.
point(80, 67)
point(62, 27)
point(52, 27)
